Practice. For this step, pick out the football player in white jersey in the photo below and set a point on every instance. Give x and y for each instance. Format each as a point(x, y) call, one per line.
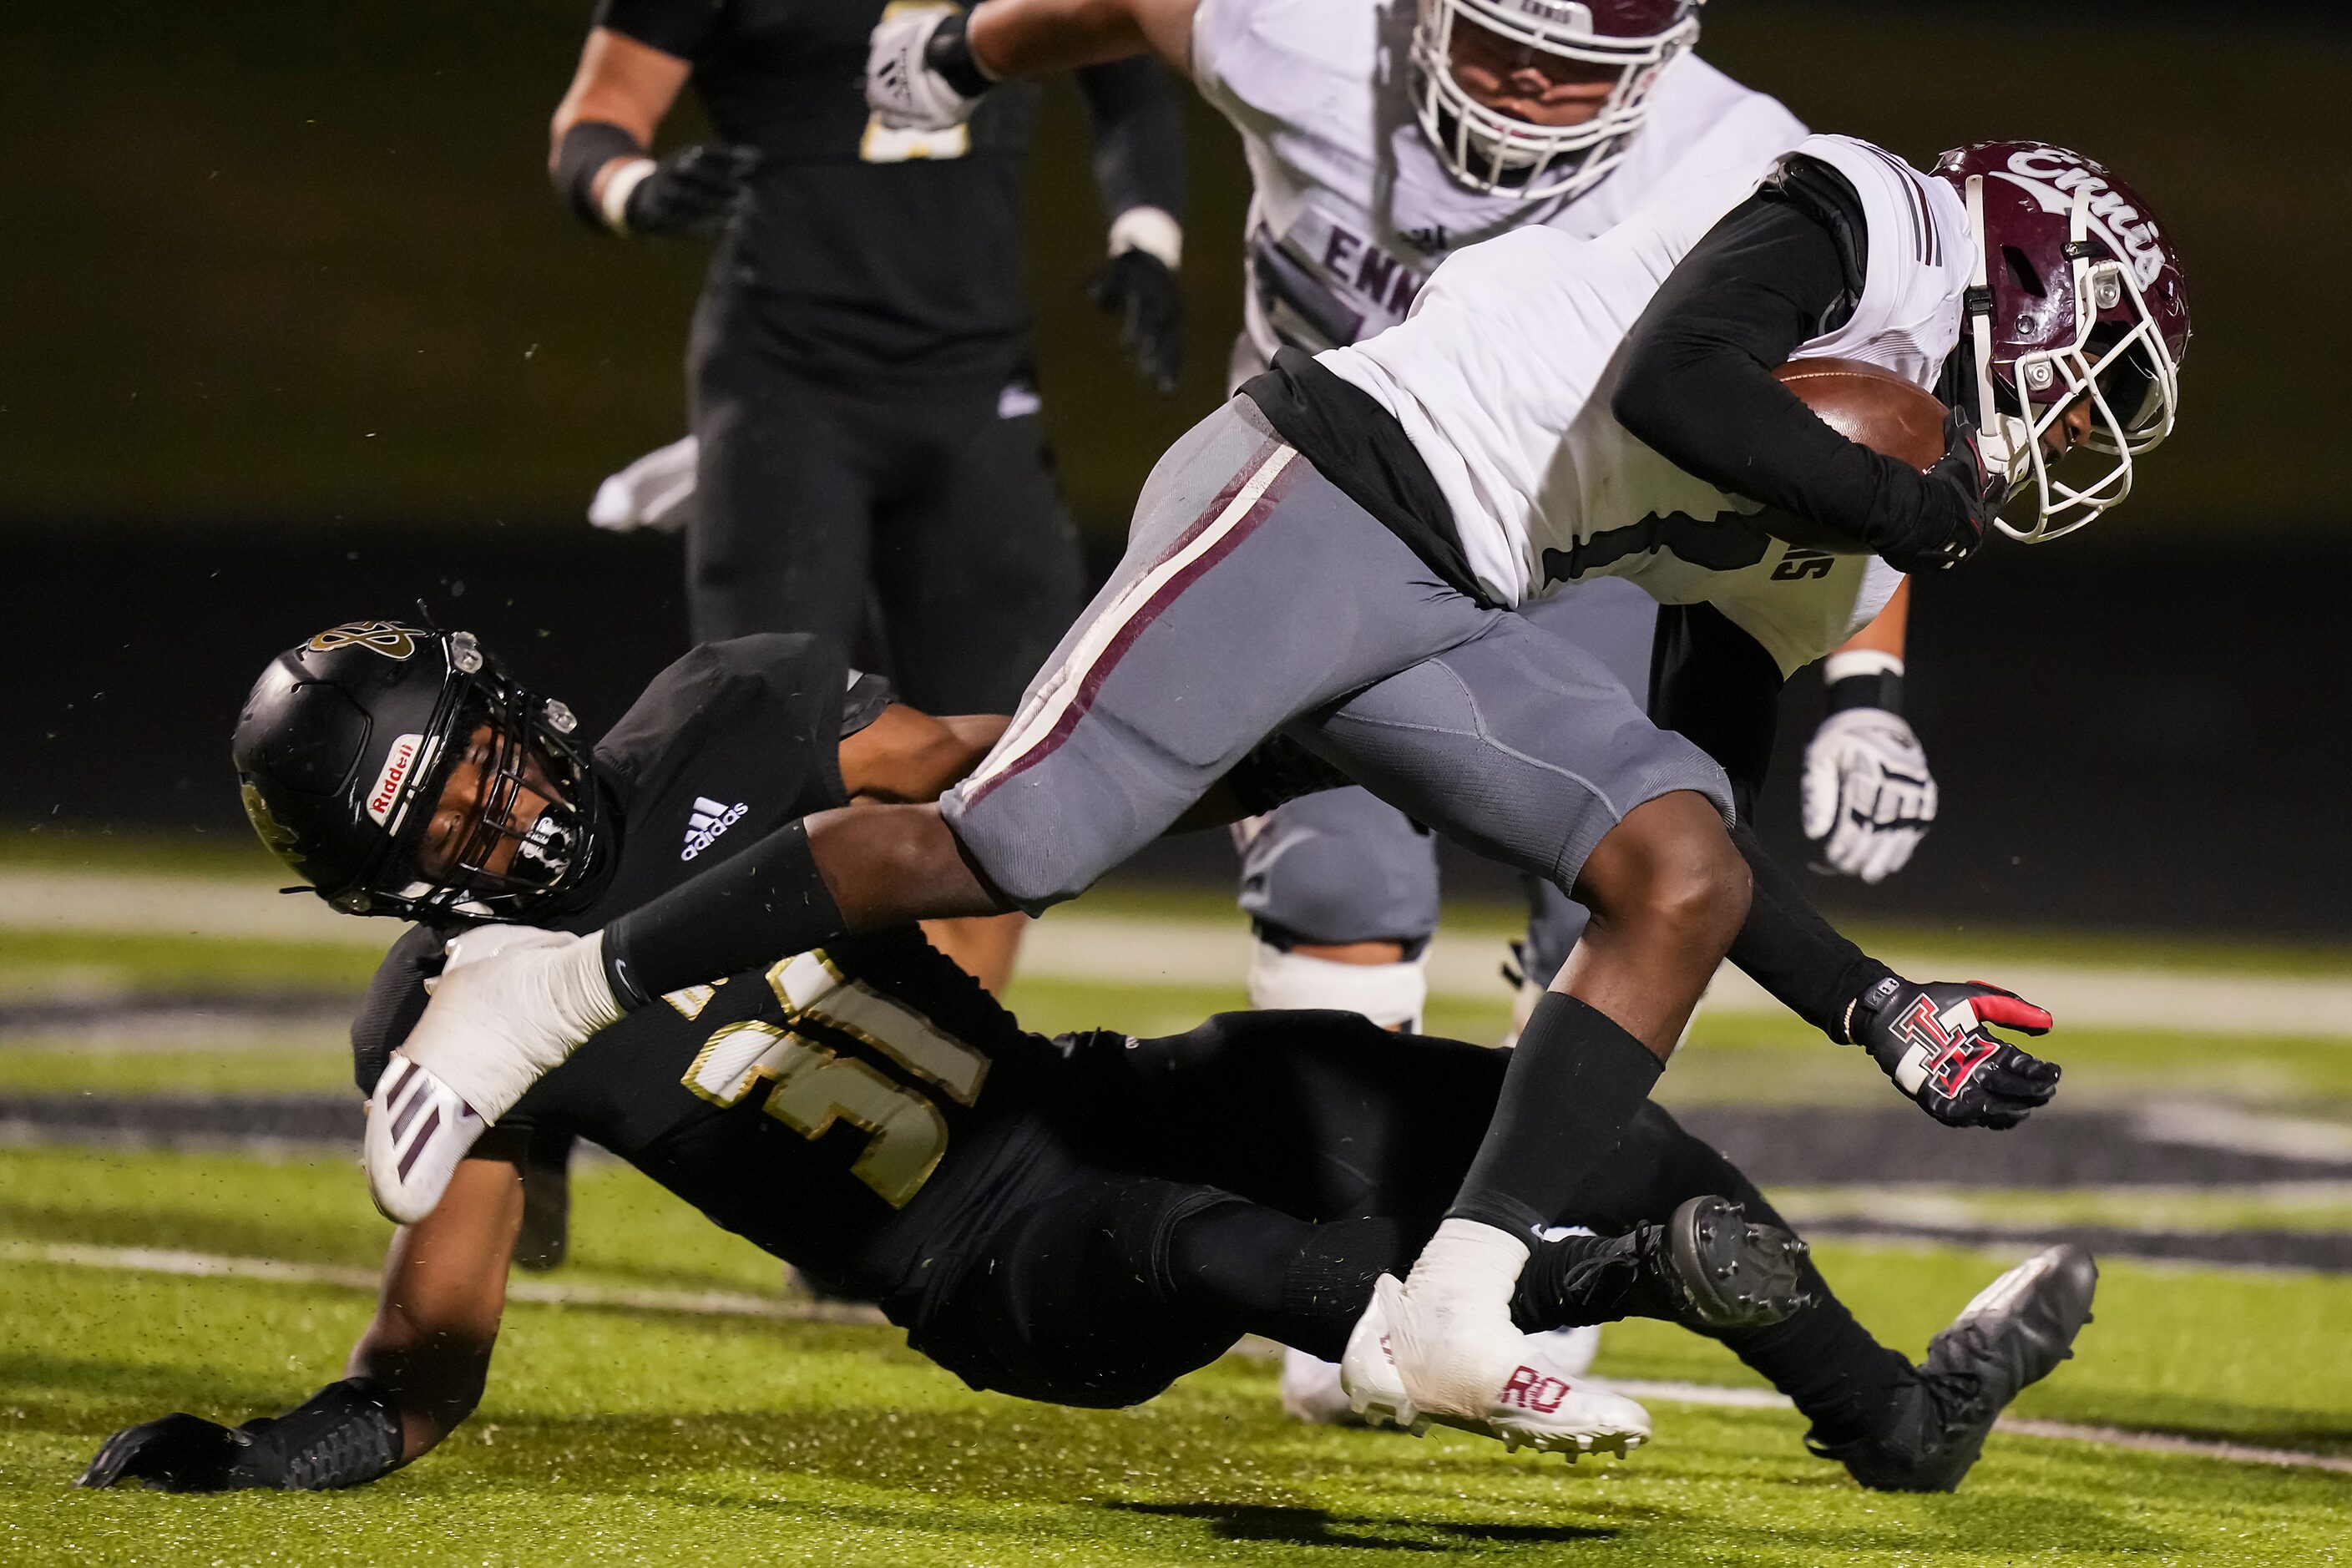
point(1382, 137)
point(1334, 556)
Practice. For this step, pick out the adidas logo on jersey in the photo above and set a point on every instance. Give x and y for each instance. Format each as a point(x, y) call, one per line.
point(707, 822)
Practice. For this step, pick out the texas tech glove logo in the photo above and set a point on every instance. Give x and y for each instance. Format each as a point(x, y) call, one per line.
point(1932, 1040)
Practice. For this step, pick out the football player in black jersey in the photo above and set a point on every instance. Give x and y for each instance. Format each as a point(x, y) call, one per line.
point(1079, 1220)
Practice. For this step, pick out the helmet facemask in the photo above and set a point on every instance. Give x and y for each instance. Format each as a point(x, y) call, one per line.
point(1495, 154)
point(2116, 366)
point(499, 817)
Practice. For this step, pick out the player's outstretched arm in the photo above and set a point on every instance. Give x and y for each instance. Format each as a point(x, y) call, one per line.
point(415, 1375)
point(928, 67)
point(598, 139)
point(1140, 170)
point(908, 755)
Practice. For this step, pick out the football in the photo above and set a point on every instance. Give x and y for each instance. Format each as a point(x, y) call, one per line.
point(1867, 403)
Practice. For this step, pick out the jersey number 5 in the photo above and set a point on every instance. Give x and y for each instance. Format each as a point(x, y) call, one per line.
point(816, 1088)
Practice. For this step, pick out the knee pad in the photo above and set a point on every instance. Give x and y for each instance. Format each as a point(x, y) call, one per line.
point(1391, 994)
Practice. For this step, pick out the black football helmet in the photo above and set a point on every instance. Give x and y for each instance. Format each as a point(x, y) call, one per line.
point(347, 751)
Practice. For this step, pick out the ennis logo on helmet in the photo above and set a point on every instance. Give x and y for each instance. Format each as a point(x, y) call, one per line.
point(2053, 175)
point(398, 764)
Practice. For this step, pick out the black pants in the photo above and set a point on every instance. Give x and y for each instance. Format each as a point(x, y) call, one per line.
point(1071, 1297)
point(817, 497)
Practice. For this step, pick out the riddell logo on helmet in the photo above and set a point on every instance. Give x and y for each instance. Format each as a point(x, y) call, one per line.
point(2053, 175)
point(398, 764)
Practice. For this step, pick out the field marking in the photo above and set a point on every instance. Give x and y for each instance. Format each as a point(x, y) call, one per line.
point(740, 1304)
point(1075, 944)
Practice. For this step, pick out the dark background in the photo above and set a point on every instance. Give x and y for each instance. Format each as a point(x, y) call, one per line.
point(295, 332)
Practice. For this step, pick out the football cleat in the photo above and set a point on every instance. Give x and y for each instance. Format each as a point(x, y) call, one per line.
point(1313, 1391)
point(2014, 1333)
point(510, 1007)
point(1542, 1399)
point(1719, 1271)
point(1453, 1338)
point(418, 1129)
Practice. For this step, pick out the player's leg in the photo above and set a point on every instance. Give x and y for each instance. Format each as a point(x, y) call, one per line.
point(1526, 749)
point(1253, 591)
point(977, 574)
point(1342, 892)
point(1615, 622)
point(778, 535)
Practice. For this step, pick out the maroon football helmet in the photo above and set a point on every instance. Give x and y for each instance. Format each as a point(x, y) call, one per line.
point(1492, 152)
point(2077, 297)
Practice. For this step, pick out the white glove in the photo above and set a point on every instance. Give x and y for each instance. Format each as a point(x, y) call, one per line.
point(901, 88)
point(656, 492)
point(1867, 796)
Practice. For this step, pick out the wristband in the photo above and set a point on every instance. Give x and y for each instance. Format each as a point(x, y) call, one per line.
point(614, 202)
point(580, 157)
point(948, 53)
point(1150, 231)
point(343, 1436)
point(1862, 679)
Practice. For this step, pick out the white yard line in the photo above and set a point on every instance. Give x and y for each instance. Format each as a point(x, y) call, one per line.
point(1075, 944)
point(736, 1304)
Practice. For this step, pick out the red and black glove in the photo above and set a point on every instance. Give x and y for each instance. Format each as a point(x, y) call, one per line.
point(1932, 1040)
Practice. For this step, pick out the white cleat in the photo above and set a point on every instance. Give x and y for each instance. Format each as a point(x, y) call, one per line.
point(1543, 1402)
point(510, 1007)
point(417, 1131)
point(1312, 1392)
point(1449, 1326)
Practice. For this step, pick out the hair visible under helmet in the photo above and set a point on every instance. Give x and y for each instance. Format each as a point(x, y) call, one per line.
point(1490, 151)
point(347, 742)
point(2077, 298)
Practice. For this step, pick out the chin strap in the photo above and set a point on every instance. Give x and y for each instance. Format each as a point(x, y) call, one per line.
point(1993, 437)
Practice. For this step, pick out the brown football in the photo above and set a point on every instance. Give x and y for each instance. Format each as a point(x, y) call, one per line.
point(1866, 403)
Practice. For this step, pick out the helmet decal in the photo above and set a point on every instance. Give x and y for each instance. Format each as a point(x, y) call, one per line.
point(388, 638)
point(282, 841)
point(398, 764)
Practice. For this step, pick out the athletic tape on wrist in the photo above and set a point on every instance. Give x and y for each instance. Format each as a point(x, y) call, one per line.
point(1155, 233)
point(1863, 678)
point(613, 203)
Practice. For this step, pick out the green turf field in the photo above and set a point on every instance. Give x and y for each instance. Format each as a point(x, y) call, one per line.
point(661, 1436)
point(651, 1433)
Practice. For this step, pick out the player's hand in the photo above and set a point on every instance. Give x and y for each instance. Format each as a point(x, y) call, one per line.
point(690, 194)
point(919, 70)
point(181, 1453)
point(1140, 289)
point(1970, 495)
point(1934, 1042)
point(1867, 796)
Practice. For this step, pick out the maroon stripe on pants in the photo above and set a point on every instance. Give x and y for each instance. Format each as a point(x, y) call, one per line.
point(1141, 617)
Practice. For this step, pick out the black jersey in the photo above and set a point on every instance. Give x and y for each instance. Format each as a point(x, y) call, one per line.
point(857, 248)
point(850, 1109)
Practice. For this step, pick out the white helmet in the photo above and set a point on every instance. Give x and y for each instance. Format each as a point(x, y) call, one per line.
point(1492, 152)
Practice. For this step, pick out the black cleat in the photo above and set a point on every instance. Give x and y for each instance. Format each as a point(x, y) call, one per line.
point(1721, 1272)
point(2015, 1332)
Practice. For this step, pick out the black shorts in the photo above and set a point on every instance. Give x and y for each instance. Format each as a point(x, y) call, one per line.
point(914, 522)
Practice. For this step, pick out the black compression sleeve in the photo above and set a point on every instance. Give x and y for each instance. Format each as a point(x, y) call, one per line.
point(1699, 389)
point(1790, 950)
point(343, 1436)
point(766, 904)
point(1714, 685)
point(1139, 136)
point(580, 157)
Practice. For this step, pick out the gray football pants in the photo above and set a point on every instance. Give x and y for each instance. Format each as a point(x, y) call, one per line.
point(1344, 866)
point(1254, 598)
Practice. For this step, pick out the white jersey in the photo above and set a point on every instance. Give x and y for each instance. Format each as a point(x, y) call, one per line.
point(1503, 373)
point(1351, 209)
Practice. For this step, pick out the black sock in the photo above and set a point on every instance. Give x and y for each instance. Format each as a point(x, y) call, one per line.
point(1581, 1279)
point(1296, 1283)
point(766, 904)
point(1575, 1082)
point(1844, 1381)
